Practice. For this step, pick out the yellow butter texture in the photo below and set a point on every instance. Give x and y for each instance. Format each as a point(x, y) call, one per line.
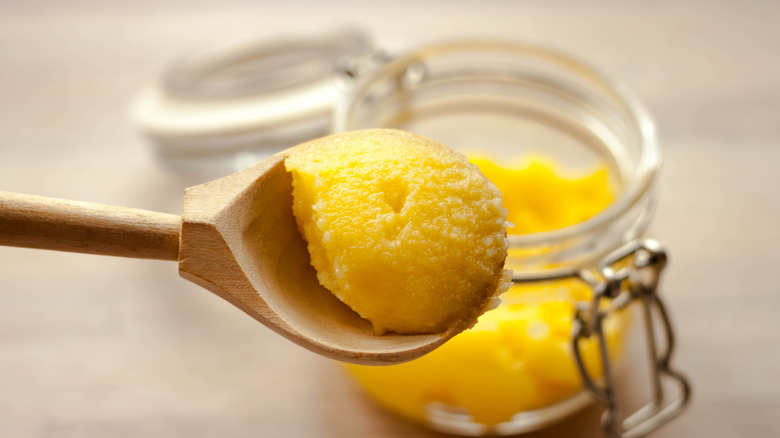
point(518, 357)
point(405, 231)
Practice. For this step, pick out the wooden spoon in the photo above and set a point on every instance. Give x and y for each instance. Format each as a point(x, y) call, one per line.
point(238, 238)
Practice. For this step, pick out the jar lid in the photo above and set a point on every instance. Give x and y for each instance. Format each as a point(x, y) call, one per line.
point(235, 96)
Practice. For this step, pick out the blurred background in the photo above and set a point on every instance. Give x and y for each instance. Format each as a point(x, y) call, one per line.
point(103, 347)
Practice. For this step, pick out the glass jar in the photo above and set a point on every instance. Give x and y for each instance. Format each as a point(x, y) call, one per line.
point(506, 102)
point(553, 344)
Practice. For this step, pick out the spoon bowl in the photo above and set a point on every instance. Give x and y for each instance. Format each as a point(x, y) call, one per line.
point(258, 261)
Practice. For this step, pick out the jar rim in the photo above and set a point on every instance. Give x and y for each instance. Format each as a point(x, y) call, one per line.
point(641, 181)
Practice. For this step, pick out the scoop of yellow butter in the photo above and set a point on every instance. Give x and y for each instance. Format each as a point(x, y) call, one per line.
point(405, 231)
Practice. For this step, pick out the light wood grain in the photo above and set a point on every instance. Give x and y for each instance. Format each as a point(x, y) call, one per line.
point(101, 347)
point(46, 223)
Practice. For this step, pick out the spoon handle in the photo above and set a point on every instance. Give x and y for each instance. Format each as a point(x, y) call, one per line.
point(47, 223)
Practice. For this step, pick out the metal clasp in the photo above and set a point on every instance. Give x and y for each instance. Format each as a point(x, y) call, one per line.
point(629, 274)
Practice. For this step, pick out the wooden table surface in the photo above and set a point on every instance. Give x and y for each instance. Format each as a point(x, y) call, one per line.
point(107, 347)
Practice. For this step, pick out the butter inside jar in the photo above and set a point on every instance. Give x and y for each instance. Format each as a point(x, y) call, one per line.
point(518, 357)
